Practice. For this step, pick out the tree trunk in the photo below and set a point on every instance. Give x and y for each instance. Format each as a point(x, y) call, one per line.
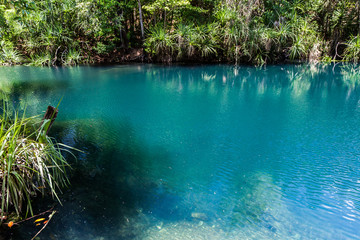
point(51, 113)
point(141, 20)
point(121, 36)
point(133, 19)
point(358, 9)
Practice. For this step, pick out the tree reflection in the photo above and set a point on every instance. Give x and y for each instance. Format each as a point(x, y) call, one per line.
point(296, 79)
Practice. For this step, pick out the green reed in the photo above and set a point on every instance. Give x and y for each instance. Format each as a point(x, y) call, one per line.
point(28, 166)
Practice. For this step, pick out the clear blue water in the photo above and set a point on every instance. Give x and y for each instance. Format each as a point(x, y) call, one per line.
point(202, 152)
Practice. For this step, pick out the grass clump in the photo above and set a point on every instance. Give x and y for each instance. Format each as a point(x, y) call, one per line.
point(31, 163)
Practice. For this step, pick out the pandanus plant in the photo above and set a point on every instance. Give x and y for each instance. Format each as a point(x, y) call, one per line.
point(31, 163)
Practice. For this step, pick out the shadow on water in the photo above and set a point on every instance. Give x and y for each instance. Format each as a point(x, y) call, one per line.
point(110, 184)
point(112, 193)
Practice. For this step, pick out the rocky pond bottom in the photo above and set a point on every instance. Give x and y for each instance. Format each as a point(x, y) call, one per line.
point(201, 152)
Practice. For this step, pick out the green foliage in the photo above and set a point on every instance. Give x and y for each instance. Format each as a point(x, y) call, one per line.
point(73, 57)
point(166, 5)
point(9, 55)
point(100, 48)
point(41, 60)
point(28, 166)
point(185, 42)
point(173, 11)
point(352, 50)
point(47, 30)
point(160, 43)
point(67, 32)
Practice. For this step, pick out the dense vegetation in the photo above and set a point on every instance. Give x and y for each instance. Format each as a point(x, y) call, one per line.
point(31, 163)
point(67, 32)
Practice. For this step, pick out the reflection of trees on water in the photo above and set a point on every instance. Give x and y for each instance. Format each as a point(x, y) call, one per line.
point(298, 79)
point(351, 75)
point(25, 89)
point(30, 84)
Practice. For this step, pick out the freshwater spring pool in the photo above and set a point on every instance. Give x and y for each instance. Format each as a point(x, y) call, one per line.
point(201, 152)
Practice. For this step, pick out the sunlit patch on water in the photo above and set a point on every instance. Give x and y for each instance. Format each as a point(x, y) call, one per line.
point(261, 214)
point(257, 214)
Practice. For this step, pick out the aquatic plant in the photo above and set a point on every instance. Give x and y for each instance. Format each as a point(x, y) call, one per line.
point(31, 162)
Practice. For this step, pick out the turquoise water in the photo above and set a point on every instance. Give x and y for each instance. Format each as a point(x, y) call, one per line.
point(201, 152)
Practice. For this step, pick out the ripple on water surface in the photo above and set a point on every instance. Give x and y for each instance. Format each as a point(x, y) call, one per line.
point(205, 152)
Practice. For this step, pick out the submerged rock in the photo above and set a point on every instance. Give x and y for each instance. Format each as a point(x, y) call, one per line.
point(199, 216)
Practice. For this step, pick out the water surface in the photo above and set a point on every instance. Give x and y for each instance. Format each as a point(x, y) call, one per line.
point(202, 152)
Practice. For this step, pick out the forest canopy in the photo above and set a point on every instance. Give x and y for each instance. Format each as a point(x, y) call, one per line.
point(69, 32)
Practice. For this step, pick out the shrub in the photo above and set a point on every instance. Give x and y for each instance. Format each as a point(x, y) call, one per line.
point(31, 163)
point(352, 50)
point(160, 43)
